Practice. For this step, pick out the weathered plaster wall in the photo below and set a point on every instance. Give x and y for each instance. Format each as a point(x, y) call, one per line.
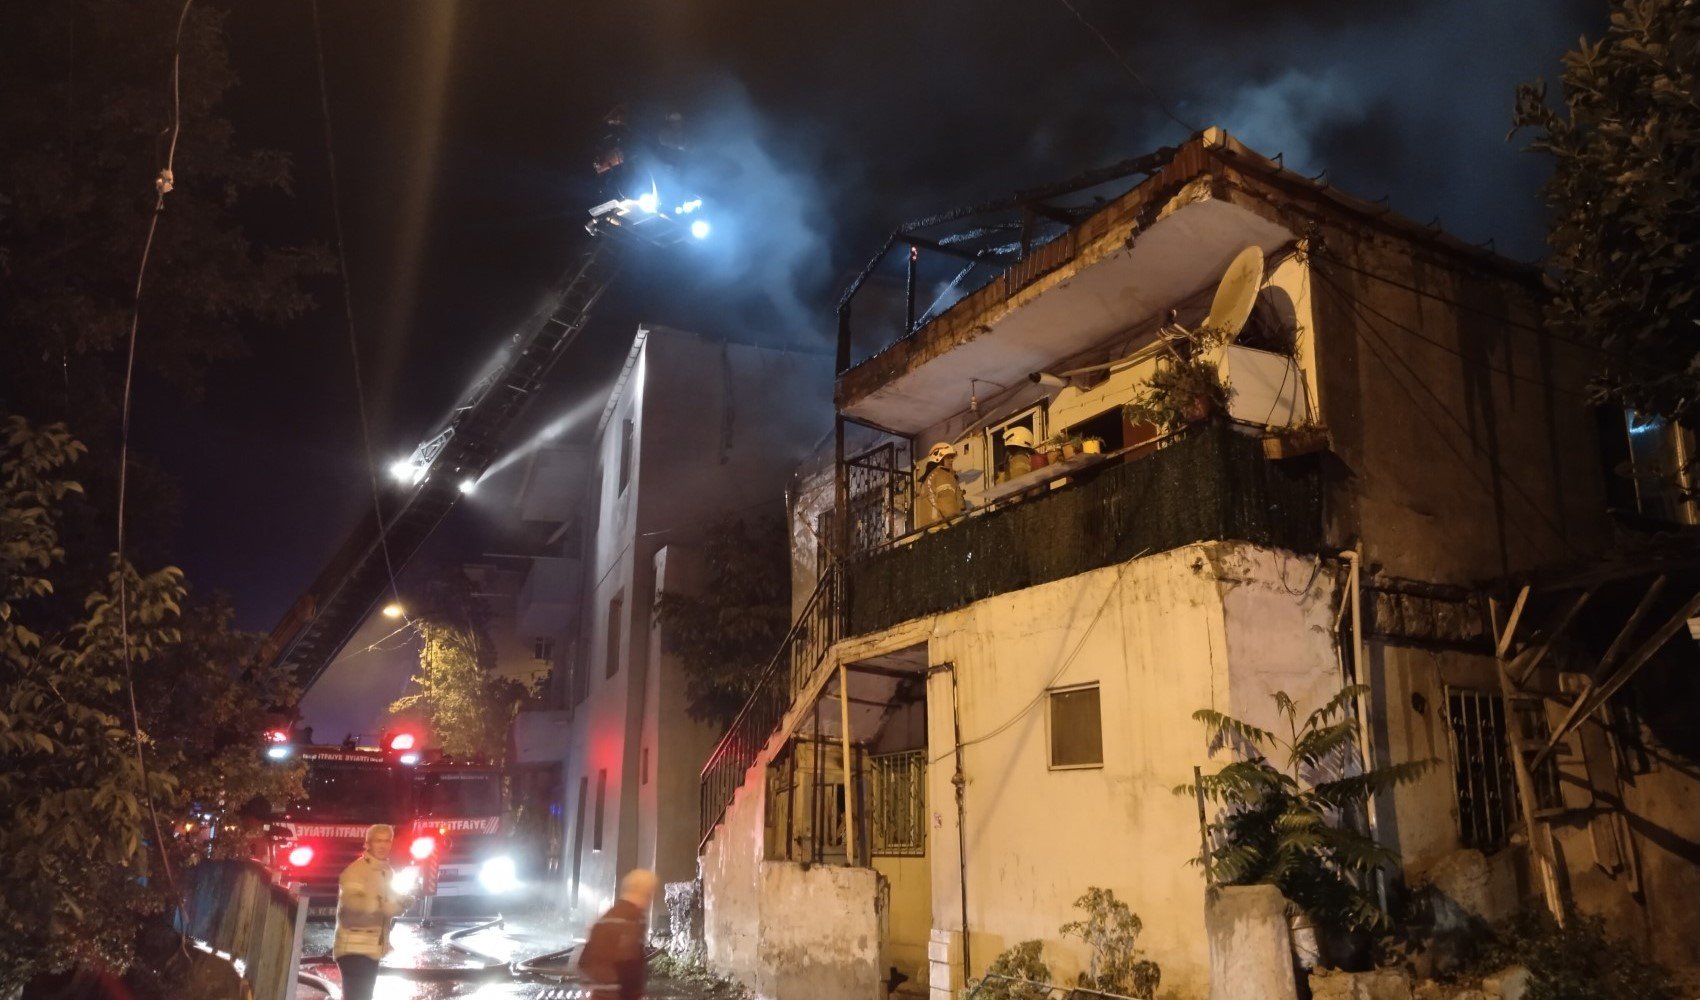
point(785, 930)
point(1471, 450)
point(1408, 701)
point(1203, 626)
point(909, 912)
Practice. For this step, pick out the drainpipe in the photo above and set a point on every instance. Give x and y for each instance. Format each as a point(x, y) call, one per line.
point(1366, 744)
point(850, 856)
point(961, 782)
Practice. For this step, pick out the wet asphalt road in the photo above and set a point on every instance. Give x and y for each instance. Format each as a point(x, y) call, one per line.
point(476, 966)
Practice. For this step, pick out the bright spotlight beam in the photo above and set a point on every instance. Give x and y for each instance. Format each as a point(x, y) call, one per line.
point(700, 229)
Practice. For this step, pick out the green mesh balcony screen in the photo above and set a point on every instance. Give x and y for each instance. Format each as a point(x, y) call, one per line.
point(1212, 483)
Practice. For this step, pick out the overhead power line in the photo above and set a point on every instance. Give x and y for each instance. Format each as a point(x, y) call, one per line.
point(1132, 73)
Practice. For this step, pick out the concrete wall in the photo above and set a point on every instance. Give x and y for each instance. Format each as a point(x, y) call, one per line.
point(785, 930)
point(1216, 625)
point(1471, 449)
point(1421, 818)
point(909, 915)
point(753, 414)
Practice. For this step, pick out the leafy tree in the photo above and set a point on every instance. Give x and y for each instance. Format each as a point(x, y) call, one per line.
point(467, 705)
point(206, 725)
point(87, 108)
point(1111, 931)
point(1625, 234)
point(72, 853)
point(1289, 824)
point(726, 635)
point(86, 111)
point(83, 859)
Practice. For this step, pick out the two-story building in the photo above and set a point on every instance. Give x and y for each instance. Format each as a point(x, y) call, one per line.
point(978, 716)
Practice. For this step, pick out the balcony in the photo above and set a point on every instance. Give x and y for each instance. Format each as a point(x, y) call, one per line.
point(1208, 482)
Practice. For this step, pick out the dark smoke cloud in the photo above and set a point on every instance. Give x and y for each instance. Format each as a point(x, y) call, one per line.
point(820, 127)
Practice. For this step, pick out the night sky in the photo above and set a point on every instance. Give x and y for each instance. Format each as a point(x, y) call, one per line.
point(463, 138)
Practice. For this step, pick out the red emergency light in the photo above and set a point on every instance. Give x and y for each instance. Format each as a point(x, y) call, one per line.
point(300, 856)
point(402, 741)
point(422, 847)
point(277, 736)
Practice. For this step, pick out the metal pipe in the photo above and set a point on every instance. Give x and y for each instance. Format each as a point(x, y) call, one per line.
point(849, 771)
point(1366, 745)
point(960, 780)
point(909, 291)
point(1203, 824)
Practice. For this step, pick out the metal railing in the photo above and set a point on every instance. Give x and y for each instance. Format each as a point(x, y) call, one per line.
point(1207, 482)
point(1022, 988)
point(818, 626)
point(897, 803)
point(234, 908)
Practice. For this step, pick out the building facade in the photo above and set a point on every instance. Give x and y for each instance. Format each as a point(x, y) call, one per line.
point(696, 430)
point(983, 715)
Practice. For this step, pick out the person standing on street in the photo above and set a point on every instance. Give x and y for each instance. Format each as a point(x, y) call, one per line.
point(612, 962)
point(366, 905)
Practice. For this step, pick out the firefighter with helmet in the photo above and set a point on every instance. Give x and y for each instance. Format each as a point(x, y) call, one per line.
point(1018, 451)
point(940, 484)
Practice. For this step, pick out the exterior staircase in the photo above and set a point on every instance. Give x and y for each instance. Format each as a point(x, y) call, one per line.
point(793, 675)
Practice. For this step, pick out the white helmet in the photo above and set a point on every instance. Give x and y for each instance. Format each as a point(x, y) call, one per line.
point(1018, 437)
point(939, 452)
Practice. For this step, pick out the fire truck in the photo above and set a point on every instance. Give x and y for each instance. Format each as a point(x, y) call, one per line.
point(447, 815)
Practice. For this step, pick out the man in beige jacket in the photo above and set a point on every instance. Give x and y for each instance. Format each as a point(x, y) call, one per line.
point(366, 905)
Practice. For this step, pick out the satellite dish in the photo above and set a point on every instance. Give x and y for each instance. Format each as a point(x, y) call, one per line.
point(1236, 293)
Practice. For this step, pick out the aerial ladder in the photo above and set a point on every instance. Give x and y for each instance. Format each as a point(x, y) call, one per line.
point(644, 204)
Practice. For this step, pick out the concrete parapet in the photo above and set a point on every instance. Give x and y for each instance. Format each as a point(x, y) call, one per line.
point(1251, 952)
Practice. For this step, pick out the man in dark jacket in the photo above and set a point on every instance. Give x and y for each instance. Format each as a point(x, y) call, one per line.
point(612, 962)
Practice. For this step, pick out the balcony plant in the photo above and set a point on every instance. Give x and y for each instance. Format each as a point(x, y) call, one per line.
point(1180, 393)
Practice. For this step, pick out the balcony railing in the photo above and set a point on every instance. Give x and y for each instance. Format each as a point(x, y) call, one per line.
point(1208, 482)
point(811, 635)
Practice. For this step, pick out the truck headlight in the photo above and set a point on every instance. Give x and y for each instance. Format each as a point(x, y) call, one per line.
point(405, 880)
point(498, 875)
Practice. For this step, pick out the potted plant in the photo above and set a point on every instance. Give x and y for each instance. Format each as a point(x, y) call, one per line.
point(1178, 394)
point(1092, 446)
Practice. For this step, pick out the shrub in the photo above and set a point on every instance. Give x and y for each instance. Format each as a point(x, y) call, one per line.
point(1016, 974)
point(1282, 825)
point(1111, 930)
point(1578, 961)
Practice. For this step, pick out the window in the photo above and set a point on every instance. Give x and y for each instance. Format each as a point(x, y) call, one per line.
point(1077, 729)
point(601, 803)
point(625, 454)
point(543, 649)
point(1652, 466)
point(578, 832)
point(897, 807)
point(614, 607)
point(1482, 773)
